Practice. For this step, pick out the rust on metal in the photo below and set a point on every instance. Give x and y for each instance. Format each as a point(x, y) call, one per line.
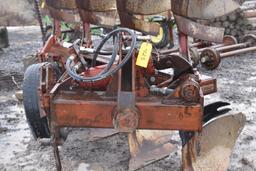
point(208, 85)
point(128, 20)
point(148, 146)
point(168, 94)
point(107, 18)
point(54, 48)
point(190, 91)
point(126, 120)
point(204, 9)
point(98, 12)
point(81, 110)
point(196, 30)
point(229, 40)
point(97, 5)
point(147, 7)
point(70, 16)
point(211, 149)
point(195, 52)
point(211, 57)
point(62, 4)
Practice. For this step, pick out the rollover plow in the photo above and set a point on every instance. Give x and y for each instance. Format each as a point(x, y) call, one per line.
point(132, 88)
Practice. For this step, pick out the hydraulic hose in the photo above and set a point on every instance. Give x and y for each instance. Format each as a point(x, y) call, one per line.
point(107, 70)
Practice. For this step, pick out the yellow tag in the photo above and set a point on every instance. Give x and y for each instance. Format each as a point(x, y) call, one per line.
point(43, 4)
point(144, 54)
point(159, 37)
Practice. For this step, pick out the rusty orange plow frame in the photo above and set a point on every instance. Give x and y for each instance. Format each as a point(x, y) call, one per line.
point(132, 89)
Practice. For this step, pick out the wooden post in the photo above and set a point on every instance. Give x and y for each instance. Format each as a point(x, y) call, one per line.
point(4, 41)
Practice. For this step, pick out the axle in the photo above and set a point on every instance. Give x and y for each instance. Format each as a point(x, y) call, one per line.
point(210, 57)
point(248, 40)
point(237, 52)
point(227, 40)
point(195, 52)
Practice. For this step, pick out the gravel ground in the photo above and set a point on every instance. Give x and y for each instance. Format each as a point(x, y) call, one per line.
point(236, 84)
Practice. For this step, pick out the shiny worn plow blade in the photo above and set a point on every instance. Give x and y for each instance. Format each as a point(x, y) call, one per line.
point(211, 149)
point(147, 146)
point(203, 151)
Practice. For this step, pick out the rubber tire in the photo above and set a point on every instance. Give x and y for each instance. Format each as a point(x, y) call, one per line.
point(165, 40)
point(38, 126)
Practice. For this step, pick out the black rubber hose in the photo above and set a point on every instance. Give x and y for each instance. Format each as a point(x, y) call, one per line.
point(107, 71)
point(112, 59)
point(110, 63)
point(105, 52)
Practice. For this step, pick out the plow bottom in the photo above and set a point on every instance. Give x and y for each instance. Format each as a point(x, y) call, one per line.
point(211, 149)
point(148, 146)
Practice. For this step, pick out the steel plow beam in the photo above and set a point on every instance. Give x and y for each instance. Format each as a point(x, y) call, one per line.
point(211, 149)
point(72, 110)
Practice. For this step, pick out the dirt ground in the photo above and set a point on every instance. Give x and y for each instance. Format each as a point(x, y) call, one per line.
point(236, 84)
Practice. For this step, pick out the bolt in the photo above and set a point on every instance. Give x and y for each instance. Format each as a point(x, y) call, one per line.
point(152, 79)
point(204, 59)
